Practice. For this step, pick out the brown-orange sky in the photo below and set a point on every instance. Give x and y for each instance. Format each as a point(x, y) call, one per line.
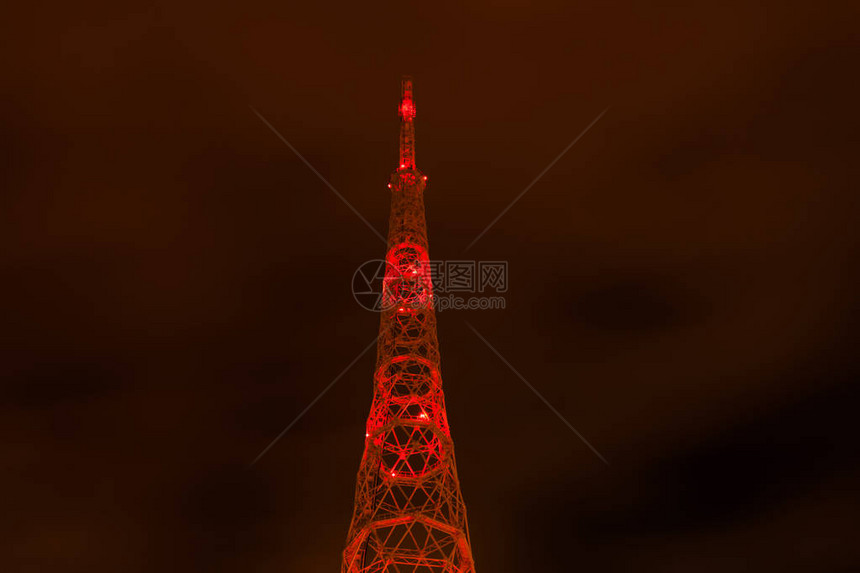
point(682, 282)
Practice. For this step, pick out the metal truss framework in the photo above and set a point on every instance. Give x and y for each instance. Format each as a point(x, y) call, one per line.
point(409, 514)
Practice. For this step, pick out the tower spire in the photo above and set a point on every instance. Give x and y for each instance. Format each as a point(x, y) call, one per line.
point(407, 127)
point(409, 514)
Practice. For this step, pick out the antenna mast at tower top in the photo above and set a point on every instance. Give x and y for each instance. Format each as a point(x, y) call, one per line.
point(407, 127)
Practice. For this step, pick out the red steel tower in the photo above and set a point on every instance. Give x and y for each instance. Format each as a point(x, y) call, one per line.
point(409, 513)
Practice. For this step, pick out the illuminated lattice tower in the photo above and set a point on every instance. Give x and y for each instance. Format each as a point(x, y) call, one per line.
point(409, 513)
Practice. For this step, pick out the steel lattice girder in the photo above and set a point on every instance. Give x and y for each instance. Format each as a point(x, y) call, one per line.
point(409, 514)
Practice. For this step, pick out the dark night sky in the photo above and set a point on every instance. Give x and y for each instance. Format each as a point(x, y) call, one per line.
point(176, 282)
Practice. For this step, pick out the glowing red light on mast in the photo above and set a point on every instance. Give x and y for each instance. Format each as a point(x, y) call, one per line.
point(407, 110)
point(407, 128)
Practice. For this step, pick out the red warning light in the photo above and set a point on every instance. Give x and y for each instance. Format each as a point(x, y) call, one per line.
point(407, 109)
